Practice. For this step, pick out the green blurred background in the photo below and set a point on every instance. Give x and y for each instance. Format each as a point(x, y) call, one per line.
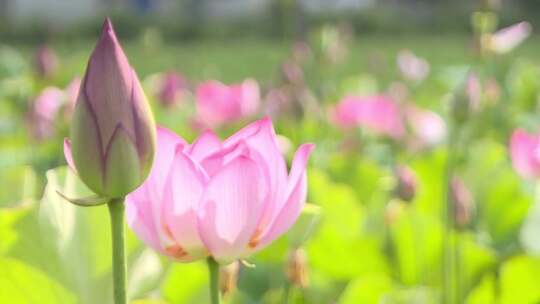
point(361, 243)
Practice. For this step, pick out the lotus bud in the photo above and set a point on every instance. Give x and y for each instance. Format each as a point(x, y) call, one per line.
point(406, 183)
point(297, 268)
point(46, 62)
point(228, 277)
point(467, 99)
point(113, 134)
point(172, 89)
point(462, 202)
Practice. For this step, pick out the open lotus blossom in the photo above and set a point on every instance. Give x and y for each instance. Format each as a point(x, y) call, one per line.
point(218, 103)
point(227, 199)
point(506, 39)
point(412, 68)
point(525, 153)
point(172, 88)
point(44, 110)
point(112, 136)
point(379, 114)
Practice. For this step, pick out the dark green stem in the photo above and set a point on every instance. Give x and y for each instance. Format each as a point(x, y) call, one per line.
point(116, 211)
point(287, 292)
point(213, 270)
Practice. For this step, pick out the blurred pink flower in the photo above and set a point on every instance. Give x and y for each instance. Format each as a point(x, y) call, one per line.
point(292, 73)
point(218, 103)
point(44, 109)
point(173, 86)
point(72, 92)
point(525, 153)
point(427, 127)
point(508, 38)
point(46, 61)
point(226, 199)
point(301, 51)
point(412, 68)
point(378, 114)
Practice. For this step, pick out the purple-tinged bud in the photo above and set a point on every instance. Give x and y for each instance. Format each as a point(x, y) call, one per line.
point(291, 73)
point(462, 202)
point(113, 134)
point(172, 90)
point(467, 100)
point(406, 183)
point(46, 62)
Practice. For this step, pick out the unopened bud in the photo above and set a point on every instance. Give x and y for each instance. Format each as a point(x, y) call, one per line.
point(172, 89)
point(462, 202)
point(228, 277)
point(467, 98)
point(46, 61)
point(297, 268)
point(405, 183)
point(113, 135)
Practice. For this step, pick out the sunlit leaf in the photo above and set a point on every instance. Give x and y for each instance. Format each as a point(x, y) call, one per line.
point(21, 283)
point(519, 280)
point(366, 289)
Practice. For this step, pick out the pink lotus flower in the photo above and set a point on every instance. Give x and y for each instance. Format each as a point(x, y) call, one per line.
point(172, 89)
point(218, 103)
point(412, 68)
point(378, 114)
point(226, 199)
point(525, 153)
point(506, 39)
point(44, 110)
